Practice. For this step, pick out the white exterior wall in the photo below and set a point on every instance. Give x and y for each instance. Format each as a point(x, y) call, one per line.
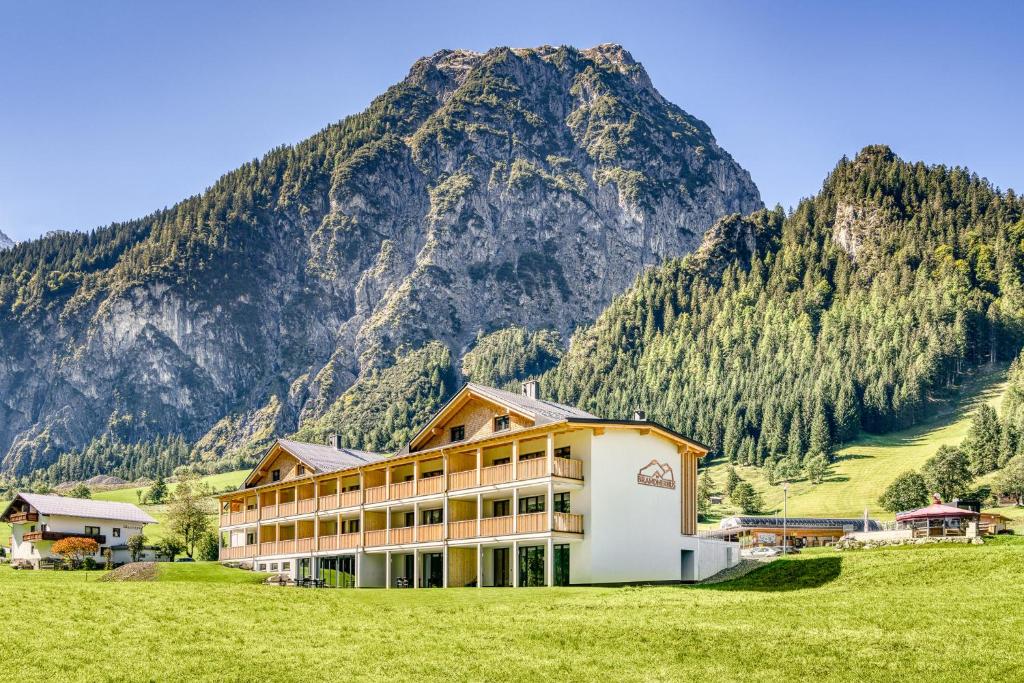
point(710, 555)
point(633, 531)
point(35, 551)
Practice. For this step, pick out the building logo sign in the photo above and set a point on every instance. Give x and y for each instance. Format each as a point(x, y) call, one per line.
point(656, 474)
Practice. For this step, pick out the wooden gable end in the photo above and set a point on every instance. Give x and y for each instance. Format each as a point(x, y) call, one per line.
point(279, 459)
point(476, 415)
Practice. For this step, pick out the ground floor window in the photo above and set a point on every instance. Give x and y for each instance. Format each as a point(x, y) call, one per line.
point(531, 566)
point(433, 570)
point(337, 572)
point(562, 564)
point(263, 567)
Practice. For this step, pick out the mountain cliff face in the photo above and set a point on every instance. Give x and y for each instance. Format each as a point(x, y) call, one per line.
point(5, 241)
point(513, 189)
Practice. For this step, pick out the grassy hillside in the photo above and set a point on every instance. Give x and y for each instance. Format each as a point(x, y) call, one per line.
point(864, 467)
point(917, 613)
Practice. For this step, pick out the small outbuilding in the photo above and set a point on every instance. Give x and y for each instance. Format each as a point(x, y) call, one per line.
point(938, 519)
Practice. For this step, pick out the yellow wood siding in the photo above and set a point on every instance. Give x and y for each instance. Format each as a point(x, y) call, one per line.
point(477, 417)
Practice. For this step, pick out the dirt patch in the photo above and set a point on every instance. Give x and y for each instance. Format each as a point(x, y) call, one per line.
point(136, 571)
point(742, 569)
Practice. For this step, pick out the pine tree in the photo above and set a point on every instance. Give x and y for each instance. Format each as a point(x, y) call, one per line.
point(820, 441)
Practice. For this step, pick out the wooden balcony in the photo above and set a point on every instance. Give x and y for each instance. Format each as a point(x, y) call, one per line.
point(268, 548)
point(329, 502)
point(568, 468)
point(402, 490)
point(21, 517)
point(287, 509)
point(531, 469)
point(533, 522)
point(59, 535)
point(306, 506)
point(462, 480)
point(464, 529)
point(496, 526)
point(401, 535)
point(286, 546)
point(240, 552)
point(376, 537)
point(376, 494)
point(305, 545)
point(496, 474)
point(346, 541)
point(428, 533)
point(328, 542)
point(268, 512)
point(430, 486)
point(350, 499)
point(564, 521)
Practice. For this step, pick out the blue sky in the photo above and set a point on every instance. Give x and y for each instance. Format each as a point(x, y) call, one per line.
point(110, 110)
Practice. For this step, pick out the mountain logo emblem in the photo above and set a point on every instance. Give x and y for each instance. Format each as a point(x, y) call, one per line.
point(658, 474)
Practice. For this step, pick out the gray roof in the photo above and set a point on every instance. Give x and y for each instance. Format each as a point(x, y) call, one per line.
point(325, 459)
point(799, 522)
point(544, 412)
point(84, 507)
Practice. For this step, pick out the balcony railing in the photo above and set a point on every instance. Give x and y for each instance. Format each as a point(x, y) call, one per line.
point(376, 537)
point(496, 526)
point(60, 535)
point(287, 509)
point(400, 535)
point(430, 485)
point(306, 506)
point(376, 494)
point(564, 521)
point(532, 468)
point(496, 474)
point(268, 511)
point(463, 529)
point(19, 517)
point(568, 468)
point(239, 552)
point(402, 490)
point(465, 479)
point(305, 545)
point(428, 533)
point(533, 522)
point(351, 498)
point(329, 502)
point(268, 548)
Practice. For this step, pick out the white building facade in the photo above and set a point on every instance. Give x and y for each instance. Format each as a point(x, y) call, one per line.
point(499, 489)
point(38, 521)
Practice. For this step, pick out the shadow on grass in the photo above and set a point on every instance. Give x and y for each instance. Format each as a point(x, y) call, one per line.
point(785, 575)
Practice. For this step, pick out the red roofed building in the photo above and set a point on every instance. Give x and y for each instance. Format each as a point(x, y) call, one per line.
point(937, 520)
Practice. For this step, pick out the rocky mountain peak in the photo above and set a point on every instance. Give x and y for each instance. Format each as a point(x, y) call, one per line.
point(5, 241)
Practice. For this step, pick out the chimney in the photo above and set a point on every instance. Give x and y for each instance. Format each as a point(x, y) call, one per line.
point(334, 441)
point(530, 388)
point(639, 415)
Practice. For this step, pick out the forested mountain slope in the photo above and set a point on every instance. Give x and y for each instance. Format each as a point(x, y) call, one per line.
point(335, 284)
point(783, 335)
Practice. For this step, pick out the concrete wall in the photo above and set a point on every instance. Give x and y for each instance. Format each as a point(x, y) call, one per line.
point(891, 535)
point(710, 555)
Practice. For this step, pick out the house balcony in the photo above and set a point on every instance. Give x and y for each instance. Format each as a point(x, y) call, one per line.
point(242, 517)
point(240, 552)
point(59, 535)
point(22, 517)
point(533, 468)
point(339, 542)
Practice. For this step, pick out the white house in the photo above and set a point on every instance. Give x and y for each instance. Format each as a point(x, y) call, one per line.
point(498, 489)
point(37, 521)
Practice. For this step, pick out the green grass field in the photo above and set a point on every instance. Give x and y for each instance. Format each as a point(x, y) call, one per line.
point(866, 466)
point(916, 614)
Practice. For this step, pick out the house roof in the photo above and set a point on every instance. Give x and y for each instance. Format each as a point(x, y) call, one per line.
point(935, 510)
point(81, 507)
point(542, 411)
point(749, 522)
point(319, 458)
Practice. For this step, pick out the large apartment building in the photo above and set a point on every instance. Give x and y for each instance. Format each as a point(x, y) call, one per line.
point(499, 489)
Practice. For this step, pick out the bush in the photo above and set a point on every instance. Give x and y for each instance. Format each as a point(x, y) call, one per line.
point(75, 549)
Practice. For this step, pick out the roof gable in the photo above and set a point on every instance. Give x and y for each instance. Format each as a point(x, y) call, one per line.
point(315, 458)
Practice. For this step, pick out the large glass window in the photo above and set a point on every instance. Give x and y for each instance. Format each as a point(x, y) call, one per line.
point(561, 502)
point(92, 531)
point(562, 564)
point(432, 516)
point(563, 452)
point(531, 566)
point(502, 508)
point(531, 504)
point(350, 526)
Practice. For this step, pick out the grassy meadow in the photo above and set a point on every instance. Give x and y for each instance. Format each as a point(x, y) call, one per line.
point(866, 466)
point(912, 613)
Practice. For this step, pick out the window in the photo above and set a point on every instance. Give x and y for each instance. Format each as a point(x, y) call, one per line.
point(531, 504)
point(350, 526)
point(273, 566)
point(501, 508)
point(286, 566)
point(32, 529)
point(502, 461)
point(410, 519)
point(300, 470)
point(350, 487)
point(434, 473)
point(531, 456)
point(117, 533)
point(263, 567)
point(275, 475)
point(561, 502)
point(432, 516)
point(562, 452)
point(250, 538)
point(458, 433)
point(501, 423)
point(92, 531)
